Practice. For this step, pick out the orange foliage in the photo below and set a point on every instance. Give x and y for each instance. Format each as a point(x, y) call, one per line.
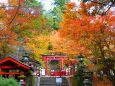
point(65, 46)
point(87, 30)
point(13, 17)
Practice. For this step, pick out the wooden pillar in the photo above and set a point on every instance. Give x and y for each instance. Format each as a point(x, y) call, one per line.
point(62, 64)
point(24, 73)
point(46, 71)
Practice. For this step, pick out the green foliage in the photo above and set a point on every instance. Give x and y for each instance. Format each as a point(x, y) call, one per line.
point(2, 82)
point(60, 3)
point(54, 18)
point(87, 62)
point(50, 46)
point(33, 3)
point(49, 18)
point(57, 12)
point(38, 23)
point(8, 82)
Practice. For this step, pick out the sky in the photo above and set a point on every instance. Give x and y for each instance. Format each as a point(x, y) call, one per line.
point(48, 6)
point(47, 3)
point(3, 1)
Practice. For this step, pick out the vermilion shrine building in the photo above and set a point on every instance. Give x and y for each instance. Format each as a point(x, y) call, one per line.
point(62, 59)
point(12, 67)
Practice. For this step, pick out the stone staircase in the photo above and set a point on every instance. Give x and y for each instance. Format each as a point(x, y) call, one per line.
point(51, 81)
point(64, 82)
point(47, 81)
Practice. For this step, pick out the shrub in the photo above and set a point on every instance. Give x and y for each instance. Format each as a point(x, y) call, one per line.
point(8, 82)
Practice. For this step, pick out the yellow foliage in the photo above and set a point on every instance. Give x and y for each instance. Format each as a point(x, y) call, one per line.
point(39, 44)
point(65, 46)
point(13, 2)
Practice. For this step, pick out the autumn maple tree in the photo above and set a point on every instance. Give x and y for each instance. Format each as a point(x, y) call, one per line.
point(7, 36)
point(17, 20)
point(92, 27)
point(93, 31)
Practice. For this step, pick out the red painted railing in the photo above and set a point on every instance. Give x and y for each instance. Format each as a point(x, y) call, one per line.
point(62, 73)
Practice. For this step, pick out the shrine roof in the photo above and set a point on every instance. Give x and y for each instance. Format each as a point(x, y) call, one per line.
point(31, 60)
point(16, 61)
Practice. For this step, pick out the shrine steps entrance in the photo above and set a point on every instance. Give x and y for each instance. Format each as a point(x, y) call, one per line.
point(51, 81)
point(47, 81)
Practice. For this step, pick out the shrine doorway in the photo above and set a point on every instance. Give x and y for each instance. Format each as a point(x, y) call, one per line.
point(54, 58)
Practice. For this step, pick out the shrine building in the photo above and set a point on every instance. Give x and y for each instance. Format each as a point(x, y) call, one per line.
point(12, 67)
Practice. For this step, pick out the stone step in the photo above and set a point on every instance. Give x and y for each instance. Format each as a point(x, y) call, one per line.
point(51, 81)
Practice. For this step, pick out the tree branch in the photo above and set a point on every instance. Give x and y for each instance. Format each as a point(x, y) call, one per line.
point(15, 14)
